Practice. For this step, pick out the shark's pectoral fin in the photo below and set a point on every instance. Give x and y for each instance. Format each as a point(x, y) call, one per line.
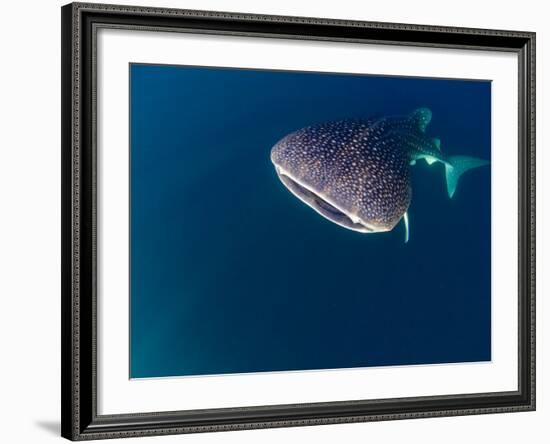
point(406, 221)
point(430, 160)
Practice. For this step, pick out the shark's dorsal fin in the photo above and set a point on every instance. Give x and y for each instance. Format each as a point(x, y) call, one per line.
point(422, 117)
point(437, 143)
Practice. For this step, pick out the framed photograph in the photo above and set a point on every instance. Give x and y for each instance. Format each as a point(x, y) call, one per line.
point(281, 221)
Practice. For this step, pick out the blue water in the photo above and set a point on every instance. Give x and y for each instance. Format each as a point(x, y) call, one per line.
point(230, 273)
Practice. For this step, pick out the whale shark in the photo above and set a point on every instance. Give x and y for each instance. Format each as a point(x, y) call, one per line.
point(356, 172)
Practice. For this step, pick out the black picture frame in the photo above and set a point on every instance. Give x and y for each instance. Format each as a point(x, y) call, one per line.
point(80, 420)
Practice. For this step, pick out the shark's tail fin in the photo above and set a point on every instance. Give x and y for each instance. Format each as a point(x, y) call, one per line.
point(456, 166)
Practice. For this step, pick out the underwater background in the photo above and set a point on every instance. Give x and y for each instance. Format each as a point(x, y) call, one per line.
point(231, 273)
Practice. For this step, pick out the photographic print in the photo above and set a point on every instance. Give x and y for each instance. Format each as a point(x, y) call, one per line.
point(274, 221)
point(295, 221)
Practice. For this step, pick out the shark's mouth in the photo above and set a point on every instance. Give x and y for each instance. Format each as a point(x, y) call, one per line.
point(322, 205)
